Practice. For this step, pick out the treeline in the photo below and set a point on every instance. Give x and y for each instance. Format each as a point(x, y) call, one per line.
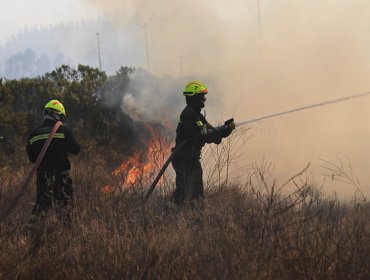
point(37, 50)
point(28, 64)
point(91, 98)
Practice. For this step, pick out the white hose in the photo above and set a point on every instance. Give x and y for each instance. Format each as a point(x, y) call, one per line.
point(302, 108)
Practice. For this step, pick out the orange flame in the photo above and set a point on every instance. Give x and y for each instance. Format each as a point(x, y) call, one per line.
point(107, 189)
point(141, 167)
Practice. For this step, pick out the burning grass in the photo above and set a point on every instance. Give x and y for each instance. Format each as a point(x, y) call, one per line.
point(252, 232)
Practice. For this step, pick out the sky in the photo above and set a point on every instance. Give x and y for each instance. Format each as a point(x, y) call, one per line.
point(16, 15)
point(298, 52)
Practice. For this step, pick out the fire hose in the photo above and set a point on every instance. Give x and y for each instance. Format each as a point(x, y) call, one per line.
point(33, 170)
point(163, 169)
point(241, 123)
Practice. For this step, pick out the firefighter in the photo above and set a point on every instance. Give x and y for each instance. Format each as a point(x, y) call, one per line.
point(54, 185)
point(196, 131)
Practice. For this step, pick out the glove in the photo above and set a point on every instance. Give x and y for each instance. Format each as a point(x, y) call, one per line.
point(217, 140)
point(227, 128)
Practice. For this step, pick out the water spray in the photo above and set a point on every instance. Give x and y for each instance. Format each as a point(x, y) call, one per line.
point(342, 99)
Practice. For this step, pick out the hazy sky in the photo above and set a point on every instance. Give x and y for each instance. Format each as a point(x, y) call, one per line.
point(302, 52)
point(18, 14)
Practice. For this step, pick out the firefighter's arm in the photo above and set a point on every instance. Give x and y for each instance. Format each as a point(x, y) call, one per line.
point(73, 146)
point(30, 152)
point(211, 134)
point(215, 134)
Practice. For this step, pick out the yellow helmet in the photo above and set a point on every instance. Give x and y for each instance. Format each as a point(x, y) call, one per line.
point(55, 106)
point(195, 87)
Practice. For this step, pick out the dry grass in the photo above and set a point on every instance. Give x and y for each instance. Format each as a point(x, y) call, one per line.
point(252, 232)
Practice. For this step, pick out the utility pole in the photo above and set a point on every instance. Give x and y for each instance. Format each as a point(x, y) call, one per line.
point(147, 46)
point(97, 36)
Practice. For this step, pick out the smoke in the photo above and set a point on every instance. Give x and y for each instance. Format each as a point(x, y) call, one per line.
point(175, 29)
point(152, 99)
point(303, 52)
point(299, 52)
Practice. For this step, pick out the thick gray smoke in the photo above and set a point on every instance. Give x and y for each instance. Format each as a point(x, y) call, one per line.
point(153, 99)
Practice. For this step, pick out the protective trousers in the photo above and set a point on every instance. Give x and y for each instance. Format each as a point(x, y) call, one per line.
point(189, 181)
point(54, 187)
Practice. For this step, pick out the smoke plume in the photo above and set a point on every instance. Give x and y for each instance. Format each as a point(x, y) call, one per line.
point(285, 55)
point(296, 53)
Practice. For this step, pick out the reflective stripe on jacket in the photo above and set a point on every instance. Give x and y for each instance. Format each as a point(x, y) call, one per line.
point(56, 157)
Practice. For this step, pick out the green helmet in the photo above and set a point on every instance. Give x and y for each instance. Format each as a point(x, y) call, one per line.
point(56, 107)
point(195, 87)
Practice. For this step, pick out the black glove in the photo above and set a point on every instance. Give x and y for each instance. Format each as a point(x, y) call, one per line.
point(217, 140)
point(227, 128)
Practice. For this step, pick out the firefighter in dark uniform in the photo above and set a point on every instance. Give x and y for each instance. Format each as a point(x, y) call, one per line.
point(196, 131)
point(54, 185)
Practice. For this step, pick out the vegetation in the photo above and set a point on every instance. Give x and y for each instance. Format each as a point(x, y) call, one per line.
point(87, 94)
point(254, 231)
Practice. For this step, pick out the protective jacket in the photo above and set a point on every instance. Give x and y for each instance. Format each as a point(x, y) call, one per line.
point(56, 157)
point(189, 182)
point(189, 128)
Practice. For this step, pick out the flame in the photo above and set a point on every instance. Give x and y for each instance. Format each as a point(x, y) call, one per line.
point(107, 189)
point(142, 166)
